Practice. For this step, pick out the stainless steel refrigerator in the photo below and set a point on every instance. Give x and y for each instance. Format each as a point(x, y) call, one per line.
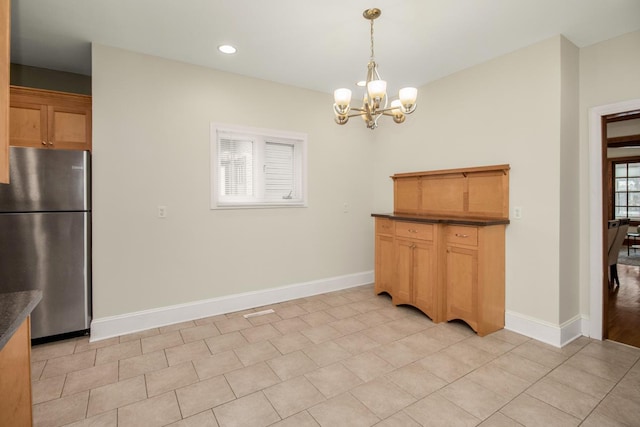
point(45, 236)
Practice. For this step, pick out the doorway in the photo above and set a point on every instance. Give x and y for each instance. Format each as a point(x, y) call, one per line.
point(597, 163)
point(621, 200)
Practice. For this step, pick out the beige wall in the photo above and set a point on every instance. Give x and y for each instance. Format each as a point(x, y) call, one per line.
point(608, 74)
point(506, 110)
point(151, 147)
point(569, 284)
point(624, 128)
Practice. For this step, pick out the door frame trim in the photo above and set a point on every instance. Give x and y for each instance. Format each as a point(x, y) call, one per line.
point(596, 269)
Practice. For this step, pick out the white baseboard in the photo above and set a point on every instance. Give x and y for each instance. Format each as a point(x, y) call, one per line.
point(549, 333)
point(112, 326)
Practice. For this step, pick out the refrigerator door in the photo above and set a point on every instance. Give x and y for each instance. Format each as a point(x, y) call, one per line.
point(46, 180)
point(50, 252)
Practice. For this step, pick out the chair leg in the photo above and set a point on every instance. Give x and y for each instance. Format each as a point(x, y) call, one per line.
point(613, 272)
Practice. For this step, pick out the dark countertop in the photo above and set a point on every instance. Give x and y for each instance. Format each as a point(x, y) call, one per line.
point(14, 309)
point(442, 219)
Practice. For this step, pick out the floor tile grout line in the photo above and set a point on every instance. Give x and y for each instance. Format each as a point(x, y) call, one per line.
point(175, 394)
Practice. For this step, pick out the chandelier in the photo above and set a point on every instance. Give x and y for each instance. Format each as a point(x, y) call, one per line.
point(375, 101)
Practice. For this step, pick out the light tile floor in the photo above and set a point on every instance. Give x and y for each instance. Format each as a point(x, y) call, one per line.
point(346, 358)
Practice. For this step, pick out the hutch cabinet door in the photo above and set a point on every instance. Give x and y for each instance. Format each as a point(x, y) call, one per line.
point(403, 271)
point(425, 284)
point(384, 264)
point(462, 285)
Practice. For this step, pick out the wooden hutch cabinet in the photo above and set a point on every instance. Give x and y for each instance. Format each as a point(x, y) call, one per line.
point(446, 236)
point(49, 119)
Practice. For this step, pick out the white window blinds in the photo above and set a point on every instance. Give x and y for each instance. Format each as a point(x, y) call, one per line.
point(279, 170)
point(235, 163)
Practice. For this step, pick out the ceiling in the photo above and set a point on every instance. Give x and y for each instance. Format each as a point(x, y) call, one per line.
point(320, 45)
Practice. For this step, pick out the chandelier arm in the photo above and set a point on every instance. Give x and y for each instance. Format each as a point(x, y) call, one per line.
point(386, 111)
point(360, 112)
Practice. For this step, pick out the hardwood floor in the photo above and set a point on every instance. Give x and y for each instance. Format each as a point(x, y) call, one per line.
point(624, 307)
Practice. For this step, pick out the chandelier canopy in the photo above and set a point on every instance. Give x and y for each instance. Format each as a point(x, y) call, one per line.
point(375, 101)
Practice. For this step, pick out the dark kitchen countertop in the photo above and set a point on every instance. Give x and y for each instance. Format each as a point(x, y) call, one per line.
point(14, 309)
point(442, 219)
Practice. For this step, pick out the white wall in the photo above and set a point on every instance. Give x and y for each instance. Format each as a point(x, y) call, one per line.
point(506, 110)
point(151, 147)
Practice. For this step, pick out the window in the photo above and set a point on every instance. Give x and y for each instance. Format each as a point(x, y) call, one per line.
point(257, 168)
point(626, 189)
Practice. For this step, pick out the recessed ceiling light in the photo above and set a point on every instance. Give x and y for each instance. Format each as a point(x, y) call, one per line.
point(226, 48)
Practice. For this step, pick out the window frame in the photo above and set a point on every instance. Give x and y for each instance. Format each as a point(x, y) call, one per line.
point(262, 137)
point(623, 161)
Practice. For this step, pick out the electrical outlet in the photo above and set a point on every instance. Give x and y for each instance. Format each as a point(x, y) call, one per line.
point(162, 211)
point(517, 212)
point(345, 207)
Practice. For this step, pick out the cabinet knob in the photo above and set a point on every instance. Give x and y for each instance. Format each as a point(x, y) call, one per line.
point(461, 235)
point(50, 143)
point(44, 142)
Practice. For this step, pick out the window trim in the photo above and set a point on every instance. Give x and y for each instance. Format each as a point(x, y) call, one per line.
point(299, 141)
point(626, 161)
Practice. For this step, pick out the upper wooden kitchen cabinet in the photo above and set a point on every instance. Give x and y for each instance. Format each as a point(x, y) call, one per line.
point(48, 119)
point(5, 20)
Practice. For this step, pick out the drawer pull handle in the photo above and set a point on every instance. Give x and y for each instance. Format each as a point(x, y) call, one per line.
point(462, 235)
point(411, 230)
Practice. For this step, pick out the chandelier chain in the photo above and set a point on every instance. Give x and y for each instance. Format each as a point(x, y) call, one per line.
point(372, 55)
